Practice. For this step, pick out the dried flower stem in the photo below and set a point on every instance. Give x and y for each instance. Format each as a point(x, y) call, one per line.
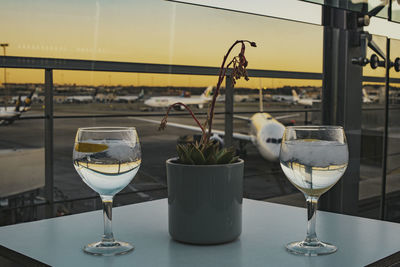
point(222, 72)
point(239, 70)
point(164, 120)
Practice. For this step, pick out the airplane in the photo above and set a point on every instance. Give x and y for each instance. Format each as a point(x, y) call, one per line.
point(304, 101)
point(9, 114)
point(265, 132)
point(79, 99)
point(166, 101)
point(246, 98)
point(282, 98)
point(14, 99)
point(129, 98)
point(310, 101)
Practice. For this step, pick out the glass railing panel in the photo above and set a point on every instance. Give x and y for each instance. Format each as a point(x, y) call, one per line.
point(393, 152)
point(21, 144)
point(122, 99)
point(66, 104)
point(76, 105)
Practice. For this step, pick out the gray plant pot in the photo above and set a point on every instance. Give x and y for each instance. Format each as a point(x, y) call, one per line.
point(205, 202)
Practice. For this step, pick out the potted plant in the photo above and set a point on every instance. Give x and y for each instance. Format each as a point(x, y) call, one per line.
point(205, 182)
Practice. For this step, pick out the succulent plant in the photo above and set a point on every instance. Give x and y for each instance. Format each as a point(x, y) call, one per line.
point(206, 152)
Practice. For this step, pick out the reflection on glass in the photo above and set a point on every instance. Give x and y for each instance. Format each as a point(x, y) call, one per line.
point(393, 148)
point(396, 11)
point(361, 6)
point(372, 124)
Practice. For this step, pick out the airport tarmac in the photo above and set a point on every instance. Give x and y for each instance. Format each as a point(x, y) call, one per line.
point(262, 180)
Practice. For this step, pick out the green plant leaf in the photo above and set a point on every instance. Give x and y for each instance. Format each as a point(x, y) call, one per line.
point(180, 149)
point(211, 160)
point(234, 159)
point(209, 149)
point(197, 156)
point(184, 156)
point(225, 156)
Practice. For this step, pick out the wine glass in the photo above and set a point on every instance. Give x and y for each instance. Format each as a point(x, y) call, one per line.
point(107, 159)
point(313, 158)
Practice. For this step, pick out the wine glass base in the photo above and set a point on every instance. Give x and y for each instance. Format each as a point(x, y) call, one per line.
point(108, 248)
point(307, 249)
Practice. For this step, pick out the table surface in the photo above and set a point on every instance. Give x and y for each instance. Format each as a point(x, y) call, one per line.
point(267, 227)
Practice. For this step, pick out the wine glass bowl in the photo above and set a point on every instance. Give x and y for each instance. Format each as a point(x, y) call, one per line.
point(107, 159)
point(313, 158)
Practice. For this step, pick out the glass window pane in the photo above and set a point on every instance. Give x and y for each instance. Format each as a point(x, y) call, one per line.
point(372, 124)
point(396, 11)
point(286, 9)
point(21, 145)
point(183, 35)
point(362, 6)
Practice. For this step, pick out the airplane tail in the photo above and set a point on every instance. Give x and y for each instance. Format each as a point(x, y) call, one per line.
point(28, 101)
point(295, 96)
point(365, 97)
point(365, 94)
point(18, 103)
point(141, 94)
point(207, 93)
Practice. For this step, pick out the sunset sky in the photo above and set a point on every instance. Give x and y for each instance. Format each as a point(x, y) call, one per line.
point(152, 31)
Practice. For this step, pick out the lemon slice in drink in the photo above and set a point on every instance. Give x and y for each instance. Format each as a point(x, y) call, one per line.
point(90, 147)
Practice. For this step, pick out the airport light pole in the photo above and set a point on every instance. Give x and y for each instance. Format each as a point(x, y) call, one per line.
point(4, 45)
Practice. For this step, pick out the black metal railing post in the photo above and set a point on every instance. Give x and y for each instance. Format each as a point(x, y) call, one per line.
point(341, 101)
point(48, 141)
point(306, 118)
point(382, 212)
point(228, 139)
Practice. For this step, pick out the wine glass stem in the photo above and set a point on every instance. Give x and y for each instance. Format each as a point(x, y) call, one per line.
point(107, 214)
point(312, 205)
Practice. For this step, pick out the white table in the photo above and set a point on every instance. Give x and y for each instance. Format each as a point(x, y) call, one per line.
point(267, 227)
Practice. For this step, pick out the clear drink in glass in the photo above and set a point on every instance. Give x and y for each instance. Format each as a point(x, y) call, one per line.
point(107, 159)
point(313, 158)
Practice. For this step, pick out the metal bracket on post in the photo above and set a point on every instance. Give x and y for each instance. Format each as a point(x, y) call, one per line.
point(48, 140)
point(228, 139)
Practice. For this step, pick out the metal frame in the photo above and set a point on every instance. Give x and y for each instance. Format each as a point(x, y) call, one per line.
point(228, 138)
point(49, 141)
point(345, 41)
point(342, 99)
point(111, 66)
point(382, 214)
